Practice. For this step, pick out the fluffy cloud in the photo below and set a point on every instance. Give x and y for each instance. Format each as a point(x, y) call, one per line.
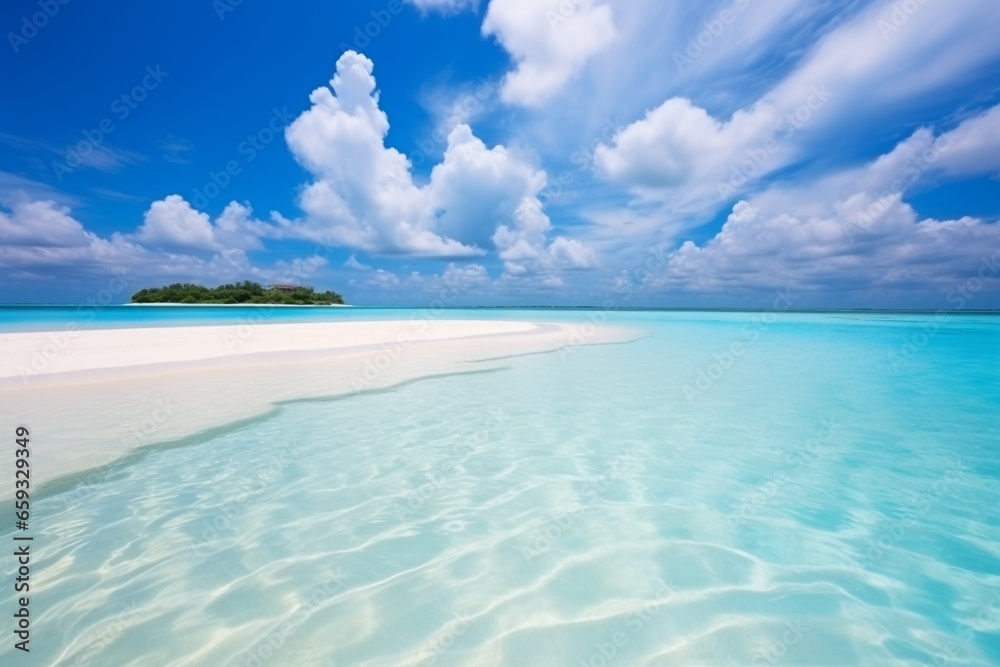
point(852, 231)
point(679, 154)
point(860, 70)
point(237, 228)
point(462, 277)
point(522, 246)
point(41, 238)
point(475, 188)
point(679, 146)
point(173, 224)
point(974, 146)
point(760, 250)
point(299, 270)
point(364, 195)
point(42, 224)
point(549, 40)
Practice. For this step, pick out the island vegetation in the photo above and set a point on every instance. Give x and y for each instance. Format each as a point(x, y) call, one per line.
point(245, 292)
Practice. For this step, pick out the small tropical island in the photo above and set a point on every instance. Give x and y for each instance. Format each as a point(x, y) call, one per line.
point(245, 292)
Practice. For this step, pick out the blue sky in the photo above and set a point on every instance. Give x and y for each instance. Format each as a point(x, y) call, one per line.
point(506, 152)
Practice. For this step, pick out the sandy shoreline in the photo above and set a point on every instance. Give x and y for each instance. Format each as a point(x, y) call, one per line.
point(91, 397)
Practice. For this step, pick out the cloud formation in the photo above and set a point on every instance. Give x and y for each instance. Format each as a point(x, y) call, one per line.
point(759, 144)
point(42, 238)
point(852, 231)
point(42, 224)
point(549, 40)
point(364, 195)
point(680, 154)
point(173, 224)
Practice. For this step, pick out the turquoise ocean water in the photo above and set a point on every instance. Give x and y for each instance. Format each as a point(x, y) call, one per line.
point(734, 489)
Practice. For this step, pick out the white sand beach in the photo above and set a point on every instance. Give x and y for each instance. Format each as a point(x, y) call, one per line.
point(93, 396)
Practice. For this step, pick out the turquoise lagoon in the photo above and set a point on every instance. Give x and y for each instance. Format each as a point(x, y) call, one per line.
point(735, 488)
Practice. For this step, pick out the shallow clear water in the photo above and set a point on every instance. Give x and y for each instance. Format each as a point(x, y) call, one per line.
point(827, 495)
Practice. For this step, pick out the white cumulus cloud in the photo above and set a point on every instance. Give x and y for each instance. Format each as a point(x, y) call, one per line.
point(853, 231)
point(42, 238)
point(364, 195)
point(550, 41)
point(172, 223)
point(41, 223)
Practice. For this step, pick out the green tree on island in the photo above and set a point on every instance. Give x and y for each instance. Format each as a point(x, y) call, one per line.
point(245, 292)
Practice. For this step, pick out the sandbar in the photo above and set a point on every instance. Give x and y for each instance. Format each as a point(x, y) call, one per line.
point(91, 397)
